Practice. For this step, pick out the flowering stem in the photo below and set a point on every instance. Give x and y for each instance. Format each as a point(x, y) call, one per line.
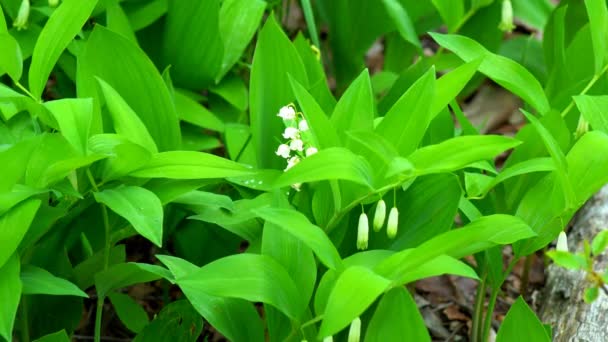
point(478, 311)
point(310, 22)
point(586, 89)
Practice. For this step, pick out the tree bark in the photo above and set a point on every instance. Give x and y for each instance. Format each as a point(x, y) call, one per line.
point(562, 306)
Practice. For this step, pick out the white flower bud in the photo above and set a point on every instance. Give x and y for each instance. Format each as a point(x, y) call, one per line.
point(328, 339)
point(310, 151)
point(296, 145)
point(303, 125)
point(53, 3)
point(287, 113)
point(393, 223)
point(292, 162)
point(362, 232)
point(296, 186)
point(354, 333)
point(291, 133)
point(562, 242)
point(23, 15)
point(283, 151)
point(379, 215)
point(506, 20)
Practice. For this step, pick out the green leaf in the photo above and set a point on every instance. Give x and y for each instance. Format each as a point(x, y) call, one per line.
point(218, 311)
point(356, 108)
point(598, 23)
point(128, 70)
point(481, 234)
point(567, 260)
point(126, 274)
point(59, 336)
point(297, 224)
point(521, 168)
point(534, 13)
point(233, 90)
point(139, 206)
point(331, 163)
point(36, 280)
point(591, 294)
point(131, 314)
point(10, 295)
point(593, 109)
point(355, 290)
point(502, 70)
point(438, 266)
point(521, 323)
point(195, 113)
point(117, 20)
point(177, 321)
point(252, 277)
point(238, 22)
point(406, 122)
point(11, 60)
point(397, 319)
point(191, 165)
point(451, 11)
point(74, 118)
point(269, 89)
point(456, 153)
point(192, 42)
point(126, 122)
point(451, 84)
point(600, 242)
point(402, 21)
point(323, 131)
point(84, 273)
point(13, 226)
point(63, 25)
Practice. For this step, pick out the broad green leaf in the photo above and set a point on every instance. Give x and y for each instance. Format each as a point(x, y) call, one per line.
point(600, 242)
point(331, 163)
point(406, 122)
point(451, 84)
point(218, 311)
point(298, 225)
point(10, 295)
point(192, 42)
point(397, 319)
point(117, 20)
point(274, 59)
point(451, 11)
point(591, 294)
point(522, 168)
point(322, 129)
point(177, 321)
point(74, 118)
point(13, 226)
point(125, 120)
point(16, 195)
point(354, 291)
point(402, 21)
point(238, 22)
point(456, 153)
point(11, 59)
point(13, 102)
point(126, 274)
point(123, 155)
point(147, 13)
point(127, 69)
point(567, 260)
point(521, 323)
point(593, 109)
point(63, 25)
point(502, 70)
point(36, 280)
point(189, 110)
point(233, 89)
point(252, 277)
point(139, 206)
point(356, 109)
point(598, 23)
point(441, 265)
point(561, 166)
point(481, 234)
point(59, 336)
point(131, 314)
point(534, 13)
point(203, 198)
point(191, 165)
point(84, 273)
point(3, 28)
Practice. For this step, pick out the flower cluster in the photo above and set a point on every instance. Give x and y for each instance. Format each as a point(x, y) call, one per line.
point(299, 144)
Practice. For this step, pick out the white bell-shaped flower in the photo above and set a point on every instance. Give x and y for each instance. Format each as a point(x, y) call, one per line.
point(562, 242)
point(296, 145)
point(393, 223)
point(303, 125)
point(380, 215)
point(362, 232)
point(292, 162)
point(291, 133)
point(354, 333)
point(287, 113)
point(283, 151)
point(310, 151)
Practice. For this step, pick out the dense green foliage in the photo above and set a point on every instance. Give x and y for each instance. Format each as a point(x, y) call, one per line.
point(140, 142)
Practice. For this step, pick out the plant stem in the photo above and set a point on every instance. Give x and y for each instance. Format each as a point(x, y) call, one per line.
point(591, 83)
point(523, 288)
point(487, 322)
point(106, 258)
point(478, 310)
point(23, 89)
point(310, 22)
point(25, 327)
